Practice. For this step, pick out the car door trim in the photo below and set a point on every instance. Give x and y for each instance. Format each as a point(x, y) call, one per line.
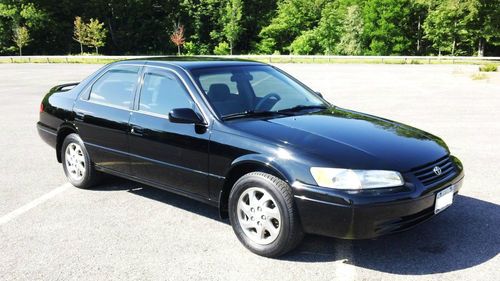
point(153, 160)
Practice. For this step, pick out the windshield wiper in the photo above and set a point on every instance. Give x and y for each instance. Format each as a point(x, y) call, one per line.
point(301, 107)
point(251, 113)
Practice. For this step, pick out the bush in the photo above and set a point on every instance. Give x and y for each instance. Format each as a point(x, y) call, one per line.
point(191, 49)
point(266, 46)
point(222, 49)
point(305, 44)
point(490, 67)
point(479, 76)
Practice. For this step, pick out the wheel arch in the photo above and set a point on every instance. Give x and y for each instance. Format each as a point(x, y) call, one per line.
point(242, 167)
point(63, 131)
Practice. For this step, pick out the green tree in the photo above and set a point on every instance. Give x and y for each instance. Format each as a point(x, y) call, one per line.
point(19, 13)
point(222, 49)
point(96, 34)
point(232, 22)
point(204, 18)
point(328, 30)
point(21, 38)
point(446, 26)
point(305, 44)
point(387, 26)
point(350, 42)
point(293, 18)
point(80, 32)
point(485, 23)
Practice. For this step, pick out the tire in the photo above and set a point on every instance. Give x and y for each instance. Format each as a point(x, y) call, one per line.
point(77, 164)
point(268, 225)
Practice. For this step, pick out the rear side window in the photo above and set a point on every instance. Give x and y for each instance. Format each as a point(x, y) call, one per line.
point(163, 92)
point(116, 87)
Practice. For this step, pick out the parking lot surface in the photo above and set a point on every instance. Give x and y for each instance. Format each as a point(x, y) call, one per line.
point(122, 230)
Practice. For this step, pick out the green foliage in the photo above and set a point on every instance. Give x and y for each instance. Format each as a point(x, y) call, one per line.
point(446, 25)
point(328, 29)
point(21, 38)
point(305, 44)
point(351, 30)
point(222, 49)
point(96, 34)
point(347, 27)
point(232, 21)
point(266, 46)
point(386, 29)
point(294, 17)
point(18, 13)
point(490, 67)
point(191, 49)
point(80, 32)
point(479, 76)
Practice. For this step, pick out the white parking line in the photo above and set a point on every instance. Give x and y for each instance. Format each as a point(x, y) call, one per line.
point(23, 209)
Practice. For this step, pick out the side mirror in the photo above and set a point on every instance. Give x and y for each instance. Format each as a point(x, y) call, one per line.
point(319, 94)
point(185, 116)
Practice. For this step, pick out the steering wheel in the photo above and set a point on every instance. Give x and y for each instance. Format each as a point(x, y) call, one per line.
point(272, 97)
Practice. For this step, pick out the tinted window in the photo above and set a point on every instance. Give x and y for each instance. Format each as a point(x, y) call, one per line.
point(115, 87)
point(259, 88)
point(163, 92)
point(218, 78)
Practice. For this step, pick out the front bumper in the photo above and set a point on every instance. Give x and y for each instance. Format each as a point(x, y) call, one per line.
point(366, 214)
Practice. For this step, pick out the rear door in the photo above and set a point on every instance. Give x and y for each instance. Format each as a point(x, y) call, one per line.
point(164, 153)
point(102, 116)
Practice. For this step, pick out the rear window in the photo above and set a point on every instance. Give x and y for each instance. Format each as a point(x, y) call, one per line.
point(116, 87)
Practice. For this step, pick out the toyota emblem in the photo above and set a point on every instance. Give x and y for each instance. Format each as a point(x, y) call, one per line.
point(437, 170)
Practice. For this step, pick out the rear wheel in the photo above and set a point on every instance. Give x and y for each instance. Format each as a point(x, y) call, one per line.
point(263, 215)
point(77, 164)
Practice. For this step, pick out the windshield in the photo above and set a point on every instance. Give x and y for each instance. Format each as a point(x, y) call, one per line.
point(241, 90)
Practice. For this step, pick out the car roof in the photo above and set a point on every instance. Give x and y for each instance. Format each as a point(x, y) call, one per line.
point(197, 62)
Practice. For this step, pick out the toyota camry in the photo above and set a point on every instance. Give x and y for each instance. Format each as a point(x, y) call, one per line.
point(271, 154)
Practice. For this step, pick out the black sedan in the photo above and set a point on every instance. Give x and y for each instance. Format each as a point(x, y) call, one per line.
point(270, 153)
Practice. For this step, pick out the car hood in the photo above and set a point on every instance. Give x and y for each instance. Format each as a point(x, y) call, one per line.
point(349, 139)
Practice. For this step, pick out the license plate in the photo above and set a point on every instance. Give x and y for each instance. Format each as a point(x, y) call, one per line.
point(444, 199)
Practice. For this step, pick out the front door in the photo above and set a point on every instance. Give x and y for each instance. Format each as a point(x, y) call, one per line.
point(169, 154)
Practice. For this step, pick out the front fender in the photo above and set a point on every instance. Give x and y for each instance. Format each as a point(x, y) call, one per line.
point(263, 161)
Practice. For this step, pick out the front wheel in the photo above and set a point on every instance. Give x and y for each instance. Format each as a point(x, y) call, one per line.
point(77, 164)
point(263, 215)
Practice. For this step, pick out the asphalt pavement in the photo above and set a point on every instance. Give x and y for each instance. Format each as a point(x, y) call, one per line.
point(122, 230)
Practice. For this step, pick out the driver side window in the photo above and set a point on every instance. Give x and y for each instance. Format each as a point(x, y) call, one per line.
point(161, 93)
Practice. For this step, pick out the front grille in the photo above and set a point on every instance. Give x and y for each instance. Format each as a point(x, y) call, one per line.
point(428, 177)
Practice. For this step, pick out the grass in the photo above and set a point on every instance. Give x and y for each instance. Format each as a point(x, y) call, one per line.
point(479, 76)
point(59, 60)
point(490, 67)
point(283, 59)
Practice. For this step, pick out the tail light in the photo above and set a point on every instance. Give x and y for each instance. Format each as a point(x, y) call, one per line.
point(41, 107)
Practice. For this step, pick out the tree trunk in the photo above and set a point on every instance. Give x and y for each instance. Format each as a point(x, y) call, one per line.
point(453, 47)
point(81, 49)
point(231, 48)
point(20, 51)
point(178, 50)
point(418, 35)
point(480, 49)
point(96, 50)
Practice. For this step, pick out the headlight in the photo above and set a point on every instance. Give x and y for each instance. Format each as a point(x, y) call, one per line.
point(355, 179)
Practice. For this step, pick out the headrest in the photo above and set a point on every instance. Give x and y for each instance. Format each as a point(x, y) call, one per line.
point(218, 92)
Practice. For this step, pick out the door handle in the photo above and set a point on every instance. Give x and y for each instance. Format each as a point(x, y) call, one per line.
point(136, 130)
